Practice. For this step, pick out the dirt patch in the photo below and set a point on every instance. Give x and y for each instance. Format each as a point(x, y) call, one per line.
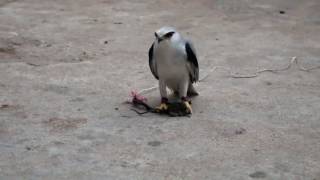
point(7, 50)
point(9, 107)
point(64, 124)
point(154, 143)
point(5, 2)
point(3, 129)
point(56, 89)
point(258, 174)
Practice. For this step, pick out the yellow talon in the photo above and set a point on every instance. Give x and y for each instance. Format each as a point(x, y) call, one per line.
point(188, 106)
point(163, 107)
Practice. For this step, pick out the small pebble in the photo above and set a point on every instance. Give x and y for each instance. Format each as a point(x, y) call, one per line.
point(154, 143)
point(4, 106)
point(258, 174)
point(240, 131)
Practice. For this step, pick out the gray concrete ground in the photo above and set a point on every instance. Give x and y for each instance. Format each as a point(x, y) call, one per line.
point(66, 66)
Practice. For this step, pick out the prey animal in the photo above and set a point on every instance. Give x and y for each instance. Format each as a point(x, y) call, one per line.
point(173, 61)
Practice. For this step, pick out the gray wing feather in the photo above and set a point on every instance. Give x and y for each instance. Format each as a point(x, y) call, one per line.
point(152, 62)
point(193, 65)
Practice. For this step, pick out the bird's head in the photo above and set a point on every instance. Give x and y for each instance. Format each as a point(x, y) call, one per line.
point(164, 33)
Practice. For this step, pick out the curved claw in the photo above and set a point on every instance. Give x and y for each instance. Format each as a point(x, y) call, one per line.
point(163, 107)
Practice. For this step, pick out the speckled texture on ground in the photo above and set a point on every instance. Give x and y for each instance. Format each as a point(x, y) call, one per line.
point(66, 66)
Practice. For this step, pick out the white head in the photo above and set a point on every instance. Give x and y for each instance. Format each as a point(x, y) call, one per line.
point(165, 33)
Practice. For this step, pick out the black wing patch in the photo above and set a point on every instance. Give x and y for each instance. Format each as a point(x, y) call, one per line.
point(152, 64)
point(192, 59)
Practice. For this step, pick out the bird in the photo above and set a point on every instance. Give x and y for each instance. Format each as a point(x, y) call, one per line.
point(174, 63)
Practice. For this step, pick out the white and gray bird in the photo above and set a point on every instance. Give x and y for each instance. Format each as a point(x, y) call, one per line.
point(173, 61)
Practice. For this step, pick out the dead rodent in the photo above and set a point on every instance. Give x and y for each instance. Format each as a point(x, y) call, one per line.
point(177, 109)
point(174, 108)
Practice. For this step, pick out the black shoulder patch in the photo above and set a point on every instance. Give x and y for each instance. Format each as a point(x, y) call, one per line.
point(191, 55)
point(151, 62)
point(151, 53)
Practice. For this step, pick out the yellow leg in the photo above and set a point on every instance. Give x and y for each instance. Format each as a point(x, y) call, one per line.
point(162, 107)
point(188, 106)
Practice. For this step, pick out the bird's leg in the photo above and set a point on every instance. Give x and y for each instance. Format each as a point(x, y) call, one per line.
point(183, 89)
point(187, 103)
point(164, 100)
point(163, 107)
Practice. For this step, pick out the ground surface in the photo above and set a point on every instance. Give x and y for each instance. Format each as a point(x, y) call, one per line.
point(66, 66)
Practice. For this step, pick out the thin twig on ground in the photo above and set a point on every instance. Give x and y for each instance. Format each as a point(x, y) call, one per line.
point(294, 60)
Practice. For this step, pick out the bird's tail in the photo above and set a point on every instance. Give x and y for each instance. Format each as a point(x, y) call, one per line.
point(191, 90)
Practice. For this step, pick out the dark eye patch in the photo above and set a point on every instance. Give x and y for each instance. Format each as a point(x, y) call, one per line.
point(169, 34)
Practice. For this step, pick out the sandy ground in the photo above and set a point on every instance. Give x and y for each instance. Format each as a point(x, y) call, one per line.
point(66, 66)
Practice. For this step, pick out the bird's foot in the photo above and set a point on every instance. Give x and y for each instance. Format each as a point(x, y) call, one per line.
point(187, 105)
point(163, 107)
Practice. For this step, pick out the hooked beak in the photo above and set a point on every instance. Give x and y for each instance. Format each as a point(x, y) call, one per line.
point(158, 38)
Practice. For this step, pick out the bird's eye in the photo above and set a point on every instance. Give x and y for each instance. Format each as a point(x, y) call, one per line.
point(169, 34)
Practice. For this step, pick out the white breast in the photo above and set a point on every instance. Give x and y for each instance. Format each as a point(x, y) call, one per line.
point(171, 64)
